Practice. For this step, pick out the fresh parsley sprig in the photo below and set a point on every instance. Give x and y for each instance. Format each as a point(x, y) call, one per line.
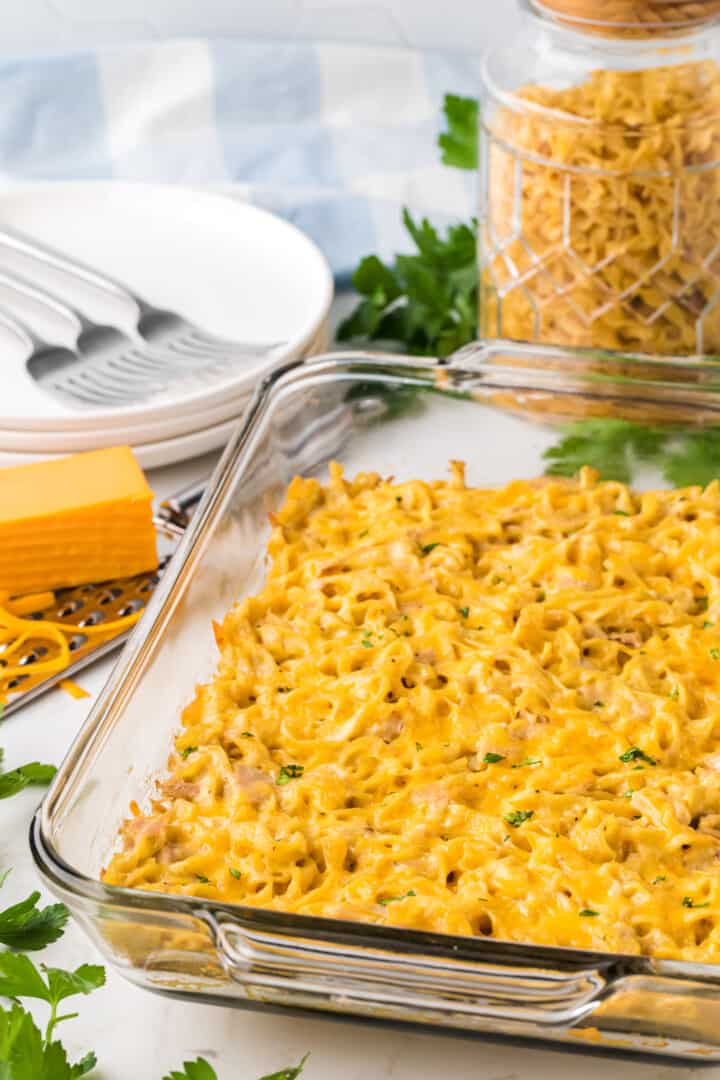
point(16, 780)
point(425, 303)
point(610, 446)
point(29, 1054)
point(200, 1069)
point(28, 927)
point(616, 447)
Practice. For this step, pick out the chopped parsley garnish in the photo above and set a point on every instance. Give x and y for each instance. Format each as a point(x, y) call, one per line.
point(492, 759)
point(366, 643)
point(202, 879)
point(288, 773)
point(365, 532)
point(235, 873)
point(418, 746)
point(542, 596)
point(464, 611)
point(701, 604)
point(687, 901)
point(588, 913)
point(658, 879)
point(618, 513)
point(394, 899)
point(707, 624)
point(528, 761)
point(715, 653)
point(427, 548)
point(628, 794)
point(247, 735)
point(517, 817)
point(187, 751)
point(635, 754)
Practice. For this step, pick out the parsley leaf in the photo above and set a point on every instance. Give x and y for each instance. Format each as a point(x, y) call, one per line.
point(517, 817)
point(688, 902)
point(235, 873)
point(658, 879)
point(588, 913)
point(187, 751)
point(608, 445)
point(24, 1055)
point(25, 926)
point(635, 754)
point(394, 899)
point(528, 761)
point(199, 1069)
point(19, 977)
point(492, 759)
point(427, 548)
point(695, 460)
point(288, 773)
point(464, 611)
point(17, 779)
point(426, 301)
point(459, 144)
point(287, 1074)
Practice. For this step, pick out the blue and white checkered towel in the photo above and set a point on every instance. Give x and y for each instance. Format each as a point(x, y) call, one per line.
point(336, 138)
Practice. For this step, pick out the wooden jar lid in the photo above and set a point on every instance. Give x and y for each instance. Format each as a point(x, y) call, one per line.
point(620, 17)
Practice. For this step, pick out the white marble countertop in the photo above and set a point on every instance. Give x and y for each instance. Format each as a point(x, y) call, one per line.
point(140, 1036)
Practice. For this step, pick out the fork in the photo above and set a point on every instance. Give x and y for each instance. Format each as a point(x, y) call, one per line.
point(159, 327)
point(107, 367)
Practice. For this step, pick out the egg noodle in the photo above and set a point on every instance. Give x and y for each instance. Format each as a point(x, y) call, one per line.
point(480, 712)
point(603, 219)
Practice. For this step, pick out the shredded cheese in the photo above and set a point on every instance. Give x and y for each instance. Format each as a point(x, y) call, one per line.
point(486, 712)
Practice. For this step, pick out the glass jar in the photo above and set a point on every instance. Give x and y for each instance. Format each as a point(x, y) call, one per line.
point(600, 178)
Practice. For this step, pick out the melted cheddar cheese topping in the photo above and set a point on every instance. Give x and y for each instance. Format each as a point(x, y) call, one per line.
point(471, 711)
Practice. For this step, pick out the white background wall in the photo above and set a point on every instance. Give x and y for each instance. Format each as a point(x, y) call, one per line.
point(59, 25)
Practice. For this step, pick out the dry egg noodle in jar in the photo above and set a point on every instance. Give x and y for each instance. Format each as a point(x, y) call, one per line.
point(600, 206)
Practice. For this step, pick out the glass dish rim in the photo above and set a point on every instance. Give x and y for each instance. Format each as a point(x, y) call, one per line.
point(471, 362)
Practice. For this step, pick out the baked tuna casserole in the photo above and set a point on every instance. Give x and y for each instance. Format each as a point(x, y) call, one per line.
point(487, 712)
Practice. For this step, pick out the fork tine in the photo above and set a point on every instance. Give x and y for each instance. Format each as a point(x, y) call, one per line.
point(192, 351)
point(133, 374)
point(147, 360)
point(71, 388)
point(94, 380)
point(205, 347)
point(108, 379)
point(236, 349)
point(210, 341)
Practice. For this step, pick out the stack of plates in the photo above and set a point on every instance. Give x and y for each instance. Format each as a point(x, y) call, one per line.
point(235, 271)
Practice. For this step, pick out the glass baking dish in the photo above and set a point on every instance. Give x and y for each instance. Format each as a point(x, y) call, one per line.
point(498, 407)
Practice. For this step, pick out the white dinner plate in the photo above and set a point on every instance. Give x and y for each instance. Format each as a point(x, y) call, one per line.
point(154, 454)
point(236, 271)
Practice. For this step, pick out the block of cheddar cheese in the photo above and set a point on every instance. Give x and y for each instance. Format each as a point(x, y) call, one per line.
point(75, 520)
